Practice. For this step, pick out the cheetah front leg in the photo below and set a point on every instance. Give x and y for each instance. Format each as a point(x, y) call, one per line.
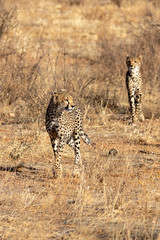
point(57, 169)
point(54, 141)
point(138, 100)
point(132, 106)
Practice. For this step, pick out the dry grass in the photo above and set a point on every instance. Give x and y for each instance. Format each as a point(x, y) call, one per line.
point(80, 46)
point(116, 197)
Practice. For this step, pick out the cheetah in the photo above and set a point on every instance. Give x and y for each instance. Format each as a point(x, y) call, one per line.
point(134, 87)
point(64, 125)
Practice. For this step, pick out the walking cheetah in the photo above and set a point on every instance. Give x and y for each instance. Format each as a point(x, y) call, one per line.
point(64, 125)
point(134, 85)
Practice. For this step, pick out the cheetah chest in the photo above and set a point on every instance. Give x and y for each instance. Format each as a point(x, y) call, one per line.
point(66, 125)
point(133, 80)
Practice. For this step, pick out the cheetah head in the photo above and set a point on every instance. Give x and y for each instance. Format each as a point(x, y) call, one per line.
point(133, 63)
point(63, 100)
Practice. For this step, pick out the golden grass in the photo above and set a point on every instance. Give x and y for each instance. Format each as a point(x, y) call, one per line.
point(82, 48)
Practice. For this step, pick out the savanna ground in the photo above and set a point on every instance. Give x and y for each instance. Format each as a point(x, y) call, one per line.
point(79, 45)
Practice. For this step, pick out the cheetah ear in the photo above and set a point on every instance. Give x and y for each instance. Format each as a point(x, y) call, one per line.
point(140, 57)
point(53, 93)
point(62, 90)
point(127, 57)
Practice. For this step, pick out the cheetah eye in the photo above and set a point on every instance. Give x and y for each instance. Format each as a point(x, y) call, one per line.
point(135, 61)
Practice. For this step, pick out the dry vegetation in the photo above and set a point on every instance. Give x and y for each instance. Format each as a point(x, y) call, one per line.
point(79, 45)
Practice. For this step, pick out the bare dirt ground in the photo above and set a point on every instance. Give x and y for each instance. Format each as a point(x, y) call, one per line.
point(116, 197)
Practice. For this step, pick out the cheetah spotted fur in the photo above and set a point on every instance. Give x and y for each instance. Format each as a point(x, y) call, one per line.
point(134, 87)
point(64, 125)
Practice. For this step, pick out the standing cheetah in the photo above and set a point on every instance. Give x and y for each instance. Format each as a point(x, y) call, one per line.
point(64, 125)
point(134, 85)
